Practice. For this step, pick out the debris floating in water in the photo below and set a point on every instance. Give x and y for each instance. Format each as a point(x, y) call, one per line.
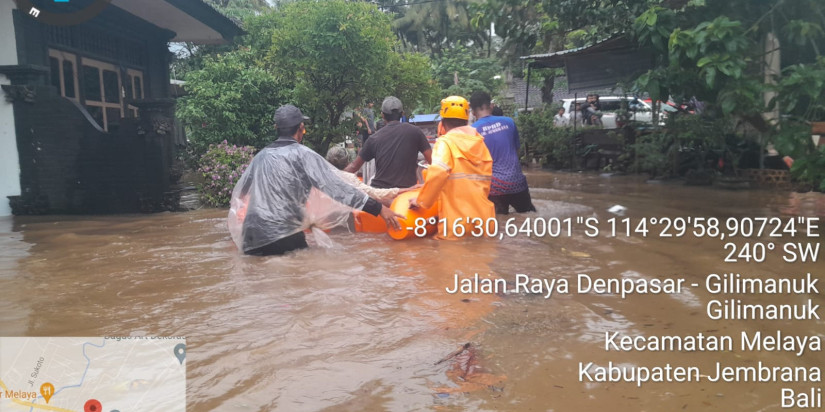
point(454, 353)
point(617, 210)
point(575, 254)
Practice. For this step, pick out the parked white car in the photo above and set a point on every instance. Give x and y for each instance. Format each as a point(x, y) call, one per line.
point(640, 111)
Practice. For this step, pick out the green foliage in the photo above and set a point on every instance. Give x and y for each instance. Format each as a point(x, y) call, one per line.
point(333, 55)
point(325, 58)
point(554, 145)
point(794, 139)
point(259, 29)
point(318, 52)
point(802, 90)
point(410, 79)
point(577, 38)
point(229, 99)
point(715, 50)
point(811, 169)
point(434, 27)
point(521, 25)
point(688, 143)
point(710, 60)
point(474, 72)
point(801, 32)
point(221, 167)
point(239, 9)
point(190, 57)
point(652, 154)
point(598, 18)
point(720, 43)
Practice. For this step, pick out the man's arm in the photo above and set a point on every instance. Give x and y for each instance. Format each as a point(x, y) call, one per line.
point(428, 156)
point(437, 176)
point(516, 136)
point(366, 119)
point(323, 177)
point(355, 165)
point(370, 126)
point(424, 148)
point(364, 155)
point(436, 179)
point(366, 123)
point(247, 178)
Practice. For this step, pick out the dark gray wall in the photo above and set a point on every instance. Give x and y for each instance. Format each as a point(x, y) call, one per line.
point(68, 166)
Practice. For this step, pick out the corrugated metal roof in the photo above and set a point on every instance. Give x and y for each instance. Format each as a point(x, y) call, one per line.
point(558, 53)
point(601, 65)
point(617, 38)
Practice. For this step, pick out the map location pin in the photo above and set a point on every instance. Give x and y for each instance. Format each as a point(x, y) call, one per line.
point(47, 390)
point(92, 405)
point(180, 352)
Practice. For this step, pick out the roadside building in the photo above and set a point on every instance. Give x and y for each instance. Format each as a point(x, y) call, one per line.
point(87, 118)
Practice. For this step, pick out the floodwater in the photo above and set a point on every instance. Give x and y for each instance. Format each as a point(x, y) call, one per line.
point(361, 326)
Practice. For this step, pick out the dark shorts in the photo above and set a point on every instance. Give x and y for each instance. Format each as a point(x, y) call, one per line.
point(281, 246)
point(520, 201)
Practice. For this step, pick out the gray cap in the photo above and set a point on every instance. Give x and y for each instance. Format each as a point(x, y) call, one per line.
point(391, 103)
point(288, 116)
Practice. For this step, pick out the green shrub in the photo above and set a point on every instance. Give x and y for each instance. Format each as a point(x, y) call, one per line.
point(553, 145)
point(221, 167)
point(687, 143)
point(653, 153)
point(794, 140)
point(811, 169)
point(230, 96)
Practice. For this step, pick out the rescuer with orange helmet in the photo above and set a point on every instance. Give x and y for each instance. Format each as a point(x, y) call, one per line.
point(460, 173)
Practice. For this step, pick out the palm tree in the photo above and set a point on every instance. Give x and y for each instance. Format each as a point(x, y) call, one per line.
point(432, 25)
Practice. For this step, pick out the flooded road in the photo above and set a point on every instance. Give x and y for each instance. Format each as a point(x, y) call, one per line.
point(361, 326)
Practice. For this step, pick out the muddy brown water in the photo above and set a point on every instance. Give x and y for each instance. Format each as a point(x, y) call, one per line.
point(360, 326)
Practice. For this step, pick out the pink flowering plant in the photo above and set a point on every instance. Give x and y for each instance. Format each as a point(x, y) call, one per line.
point(221, 167)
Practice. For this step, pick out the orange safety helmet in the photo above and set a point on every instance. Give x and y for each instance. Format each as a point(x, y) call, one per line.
point(455, 107)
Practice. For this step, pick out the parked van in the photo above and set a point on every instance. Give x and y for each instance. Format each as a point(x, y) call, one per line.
point(640, 111)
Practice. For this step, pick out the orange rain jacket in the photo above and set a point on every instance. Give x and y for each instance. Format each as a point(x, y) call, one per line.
point(459, 179)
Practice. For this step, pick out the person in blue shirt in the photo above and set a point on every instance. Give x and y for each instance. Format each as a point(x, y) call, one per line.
point(509, 186)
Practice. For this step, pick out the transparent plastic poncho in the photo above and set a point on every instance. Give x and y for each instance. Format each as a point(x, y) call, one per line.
point(286, 190)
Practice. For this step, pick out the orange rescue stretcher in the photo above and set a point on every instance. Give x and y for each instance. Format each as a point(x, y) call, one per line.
point(367, 223)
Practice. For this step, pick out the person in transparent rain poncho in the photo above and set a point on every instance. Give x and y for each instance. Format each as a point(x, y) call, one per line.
point(287, 188)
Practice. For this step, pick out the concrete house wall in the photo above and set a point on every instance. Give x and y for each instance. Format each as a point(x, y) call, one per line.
point(9, 164)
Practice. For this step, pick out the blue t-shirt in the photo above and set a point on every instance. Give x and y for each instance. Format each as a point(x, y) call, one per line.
point(501, 138)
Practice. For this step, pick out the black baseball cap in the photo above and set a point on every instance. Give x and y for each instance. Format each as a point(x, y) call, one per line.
point(288, 116)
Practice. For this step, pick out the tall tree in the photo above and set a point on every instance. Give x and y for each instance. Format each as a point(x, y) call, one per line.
point(520, 24)
point(240, 9)
point(336, 54)
point(433, 26)
point(410, 78)
point(230, 98)
point(190, 57)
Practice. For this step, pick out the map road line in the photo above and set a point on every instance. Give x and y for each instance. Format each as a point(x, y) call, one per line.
point(45, 407)
point(33, 405)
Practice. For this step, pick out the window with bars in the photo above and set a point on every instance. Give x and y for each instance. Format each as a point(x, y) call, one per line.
point(64, 73)
point(133, 88)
